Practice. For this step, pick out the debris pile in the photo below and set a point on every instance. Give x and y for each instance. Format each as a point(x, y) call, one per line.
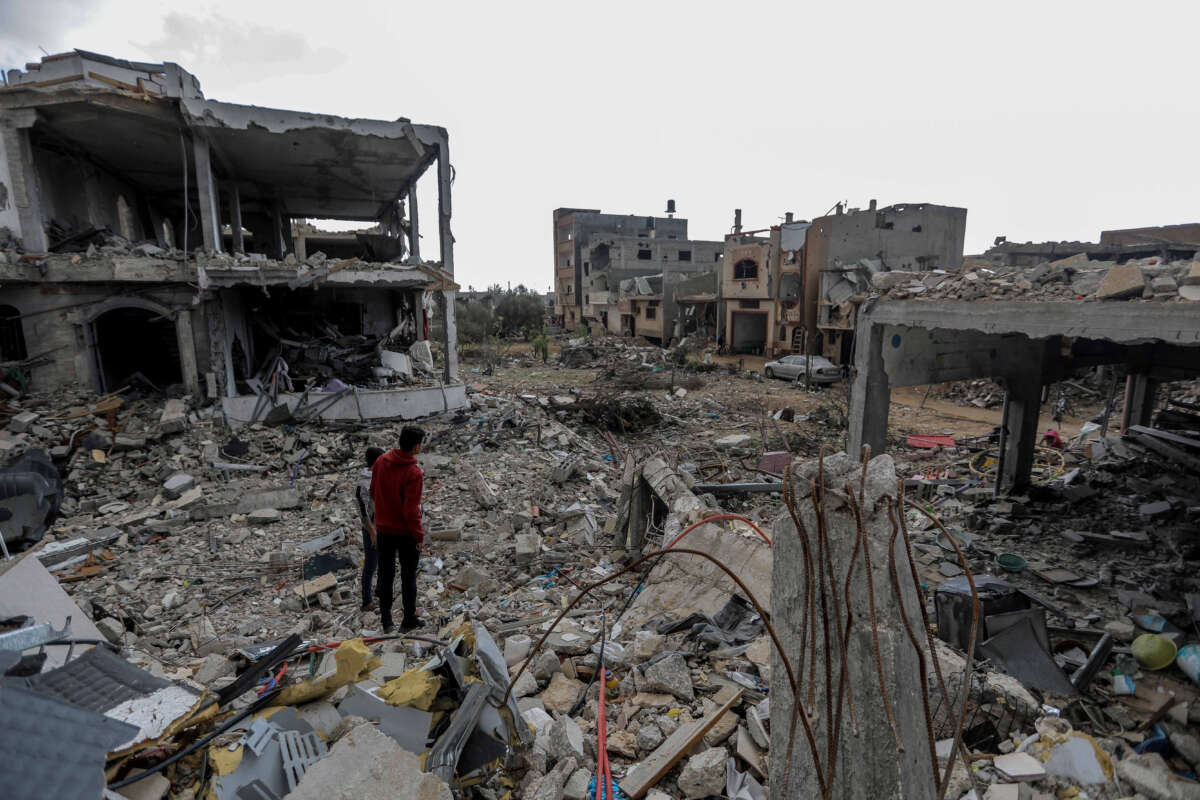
point(1074, 278)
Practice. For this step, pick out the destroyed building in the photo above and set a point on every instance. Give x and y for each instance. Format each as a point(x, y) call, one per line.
point(842, 251)
point(573, 232)
point(1168, 242)
point(621, 300)
point(151, 239)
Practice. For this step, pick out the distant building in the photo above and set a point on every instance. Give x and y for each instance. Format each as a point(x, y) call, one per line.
point(573, 231)
point(611, 262)
point(1170, 242)
point(842, 250)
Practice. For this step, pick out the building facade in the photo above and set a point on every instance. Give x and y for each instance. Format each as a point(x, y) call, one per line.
point(573, 231)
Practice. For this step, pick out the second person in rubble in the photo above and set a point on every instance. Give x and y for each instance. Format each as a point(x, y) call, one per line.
point(396, 486)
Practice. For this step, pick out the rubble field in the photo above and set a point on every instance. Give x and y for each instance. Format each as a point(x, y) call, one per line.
point(188, 592)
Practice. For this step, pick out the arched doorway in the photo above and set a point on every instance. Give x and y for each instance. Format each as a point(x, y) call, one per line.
point(135, 341)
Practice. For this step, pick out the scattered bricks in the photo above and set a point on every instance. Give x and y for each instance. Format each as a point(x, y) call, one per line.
point(177, 484)
point(174, 417)
point(1121, 283)
point(21, 423)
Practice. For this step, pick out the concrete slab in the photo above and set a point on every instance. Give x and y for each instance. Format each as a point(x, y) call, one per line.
point(375, 404)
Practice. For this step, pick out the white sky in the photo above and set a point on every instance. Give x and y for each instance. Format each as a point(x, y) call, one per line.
point(1052, 119)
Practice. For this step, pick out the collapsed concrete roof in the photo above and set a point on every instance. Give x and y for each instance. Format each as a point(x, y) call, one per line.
point(129, 115)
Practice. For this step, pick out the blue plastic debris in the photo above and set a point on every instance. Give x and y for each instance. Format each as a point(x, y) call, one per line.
point(617, 793)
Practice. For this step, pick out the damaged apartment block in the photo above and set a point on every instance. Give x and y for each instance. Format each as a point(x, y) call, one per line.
point(167, 240)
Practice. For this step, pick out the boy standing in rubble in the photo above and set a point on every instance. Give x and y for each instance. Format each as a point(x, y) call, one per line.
point(366, 512)
point(396, 485)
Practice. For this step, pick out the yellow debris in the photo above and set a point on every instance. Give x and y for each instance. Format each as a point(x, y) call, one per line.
point(354, 663)
point(415, 689)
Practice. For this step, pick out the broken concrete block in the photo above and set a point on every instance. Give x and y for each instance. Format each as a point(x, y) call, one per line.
point(561, 694)
point(263, 516)
point(369, 765)
point(321, 583)
point(624, 744)
point(648, 737)
point(174, 417)
point(1019, 767)
point(565, 739)
point(1122, 282)
point(1164, 284)
point(213, 667)
point(1192, 278)
point(669, 674)
point(177, 484)
point(1152, 777)
point(576, 787)
point(112, 629)
point(732, 441)
point(21, 423)
point(516, 648)
point(646, 645)
point(527, 547)
point(525, 686)
point(704, 775)
point(547, 665)
point(422, 356)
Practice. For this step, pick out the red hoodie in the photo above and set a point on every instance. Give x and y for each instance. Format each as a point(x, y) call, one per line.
point(396, 485)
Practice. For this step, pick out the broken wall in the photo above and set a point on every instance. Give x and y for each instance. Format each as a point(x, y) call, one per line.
point(8, 189)
point(77, 194)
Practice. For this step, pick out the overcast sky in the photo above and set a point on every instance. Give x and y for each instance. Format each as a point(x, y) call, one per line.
point(1047, 120)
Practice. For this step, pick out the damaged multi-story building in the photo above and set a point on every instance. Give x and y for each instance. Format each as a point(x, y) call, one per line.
point(575, 229)
point(150, 240)
point(796, 287)
point(1168, 242)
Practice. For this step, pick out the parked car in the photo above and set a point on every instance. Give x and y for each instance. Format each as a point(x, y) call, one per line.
point(794, 367)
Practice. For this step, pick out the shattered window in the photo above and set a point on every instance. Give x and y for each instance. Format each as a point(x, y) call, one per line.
point(745, 270)
point(644, 254)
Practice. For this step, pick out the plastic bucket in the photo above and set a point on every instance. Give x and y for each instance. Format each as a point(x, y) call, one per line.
point(1010, 562)
point(1189, 661)
point(1153, 651)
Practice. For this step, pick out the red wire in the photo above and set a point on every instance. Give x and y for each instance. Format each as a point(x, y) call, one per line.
point(692, 527)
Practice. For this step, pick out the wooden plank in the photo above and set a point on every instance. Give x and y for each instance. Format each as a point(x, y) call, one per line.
point(651, 770)
point(1165, 436)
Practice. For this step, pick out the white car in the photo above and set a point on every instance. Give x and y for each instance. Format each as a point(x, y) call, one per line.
point(794, 368)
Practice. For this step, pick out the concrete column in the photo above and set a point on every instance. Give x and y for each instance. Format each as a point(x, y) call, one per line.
point(870, 393)
point(277, 247)
point(447, 238)
point(1140, 392)
point(449, 334)
point(206, 188)
point(25, 190)
point(1024, 399)
point(869, 764)
point(414, 224)
point(187, 351)
point(235, 218)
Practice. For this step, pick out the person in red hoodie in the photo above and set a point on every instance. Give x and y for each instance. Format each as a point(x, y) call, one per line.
point(396, 485)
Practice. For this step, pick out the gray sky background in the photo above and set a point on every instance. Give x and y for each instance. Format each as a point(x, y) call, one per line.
point(1047, 120)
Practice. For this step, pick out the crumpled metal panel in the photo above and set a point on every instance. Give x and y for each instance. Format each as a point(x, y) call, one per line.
point(53, 749)
point(97, 681)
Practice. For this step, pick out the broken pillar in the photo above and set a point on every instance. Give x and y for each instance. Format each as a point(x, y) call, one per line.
point(187, 351)
point(449, 335)
point(24, 189)
point(445, 177)
point(414, 224)
point(238, 243)
point(871, 392)
point(1140, 391)
point(1023, 408)
point(868, 763)
point(206, 188)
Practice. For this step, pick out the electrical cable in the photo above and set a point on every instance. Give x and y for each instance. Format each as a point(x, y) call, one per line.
point(258, 705)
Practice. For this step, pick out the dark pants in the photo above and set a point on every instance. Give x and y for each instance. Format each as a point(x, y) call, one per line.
point(405, 548)
point(370, 564)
